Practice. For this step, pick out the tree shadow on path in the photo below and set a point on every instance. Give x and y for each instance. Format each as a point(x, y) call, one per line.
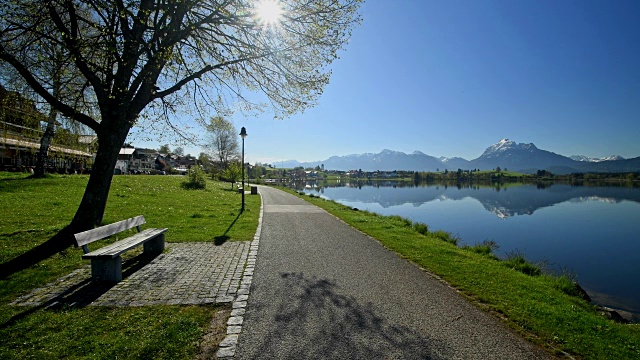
point(316, 322)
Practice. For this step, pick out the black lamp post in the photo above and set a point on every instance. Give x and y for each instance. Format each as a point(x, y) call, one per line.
point(243, 134)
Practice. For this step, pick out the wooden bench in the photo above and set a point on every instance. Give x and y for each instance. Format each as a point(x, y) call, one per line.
point(106, 263)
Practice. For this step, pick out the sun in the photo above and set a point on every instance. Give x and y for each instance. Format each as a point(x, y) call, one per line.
point(268, 12)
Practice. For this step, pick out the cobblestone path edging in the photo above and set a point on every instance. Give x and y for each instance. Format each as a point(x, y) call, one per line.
point(234, 325)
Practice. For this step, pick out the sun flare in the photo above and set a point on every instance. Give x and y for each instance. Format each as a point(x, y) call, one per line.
point(268, 12)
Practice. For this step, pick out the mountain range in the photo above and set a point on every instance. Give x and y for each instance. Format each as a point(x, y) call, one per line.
point(506, 154)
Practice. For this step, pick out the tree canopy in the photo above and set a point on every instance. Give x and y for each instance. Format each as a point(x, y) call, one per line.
point(145, 51)
point(151, 58)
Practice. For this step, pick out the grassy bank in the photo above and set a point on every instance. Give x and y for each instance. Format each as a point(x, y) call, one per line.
point(545, 309)
point(34, 210)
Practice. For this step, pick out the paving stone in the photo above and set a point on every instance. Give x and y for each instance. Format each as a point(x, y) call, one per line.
point(243, 291)
point(235, 320)
point(226, 352)
point(234, 329)
point(224, 299)
point(229, 341)
point(239, 304)
point(238, 312)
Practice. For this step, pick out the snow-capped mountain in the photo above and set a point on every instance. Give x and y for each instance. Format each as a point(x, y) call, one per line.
point(386, 160)
point(590, 159)
point(454, 163)
point(505, 154)
point(506, 145)
point(508, 154)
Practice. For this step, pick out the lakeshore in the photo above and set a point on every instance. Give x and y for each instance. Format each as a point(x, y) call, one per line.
point(584, 231)
point(545, 309)
point(534, 306)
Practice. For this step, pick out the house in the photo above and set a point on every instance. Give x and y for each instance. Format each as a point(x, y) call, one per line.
point(144, 160)
point(124, 161)
point(140, 160)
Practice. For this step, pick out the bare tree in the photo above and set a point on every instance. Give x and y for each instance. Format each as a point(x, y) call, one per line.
point(222, 140)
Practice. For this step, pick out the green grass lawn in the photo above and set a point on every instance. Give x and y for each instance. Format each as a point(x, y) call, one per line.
point(544, 309)
point(33, 210)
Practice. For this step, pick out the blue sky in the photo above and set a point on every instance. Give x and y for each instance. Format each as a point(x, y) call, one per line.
point(450, 78)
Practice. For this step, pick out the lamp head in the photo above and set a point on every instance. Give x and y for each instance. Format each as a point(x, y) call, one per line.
point(243, 132)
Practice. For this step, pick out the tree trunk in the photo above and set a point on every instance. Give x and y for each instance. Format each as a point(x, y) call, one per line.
point(91, 209)
point(45, 142)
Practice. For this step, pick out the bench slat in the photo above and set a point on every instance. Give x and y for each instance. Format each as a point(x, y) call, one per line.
point(102, 232)
point(118, 247)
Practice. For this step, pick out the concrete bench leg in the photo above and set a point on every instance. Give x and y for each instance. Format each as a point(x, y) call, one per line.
point(154, 246)
point(107, 269)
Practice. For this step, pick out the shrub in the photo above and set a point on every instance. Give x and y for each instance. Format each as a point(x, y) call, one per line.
point(196, 178)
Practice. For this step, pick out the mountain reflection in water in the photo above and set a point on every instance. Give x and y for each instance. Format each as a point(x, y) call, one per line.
point(504, 200)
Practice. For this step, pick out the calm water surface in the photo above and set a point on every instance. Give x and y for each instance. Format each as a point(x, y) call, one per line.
point(592, 232)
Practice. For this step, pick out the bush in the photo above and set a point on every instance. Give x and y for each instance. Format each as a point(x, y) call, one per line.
point(196, 178)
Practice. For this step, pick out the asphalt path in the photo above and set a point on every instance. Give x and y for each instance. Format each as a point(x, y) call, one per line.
point(323, 290)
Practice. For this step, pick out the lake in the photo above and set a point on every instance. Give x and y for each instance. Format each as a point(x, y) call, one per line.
point(593, 232)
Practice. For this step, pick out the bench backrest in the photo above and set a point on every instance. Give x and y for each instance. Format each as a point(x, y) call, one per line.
point(89, 236)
